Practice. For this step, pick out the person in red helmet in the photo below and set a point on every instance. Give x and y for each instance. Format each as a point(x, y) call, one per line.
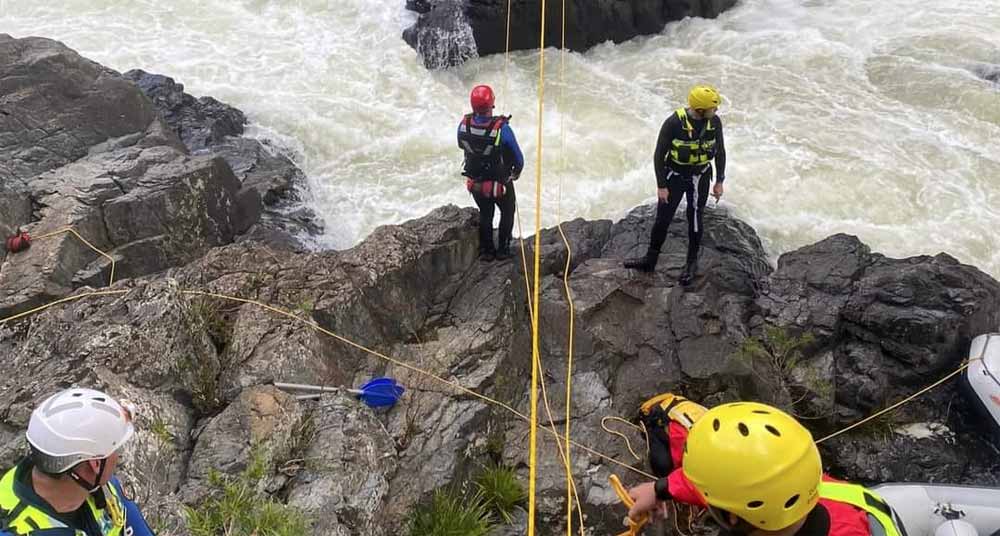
point(493, 161)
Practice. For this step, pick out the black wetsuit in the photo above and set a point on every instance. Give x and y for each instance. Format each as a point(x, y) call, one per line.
point(691, 181)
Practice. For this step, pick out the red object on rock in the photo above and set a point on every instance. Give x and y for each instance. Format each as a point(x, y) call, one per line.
point(19, 242)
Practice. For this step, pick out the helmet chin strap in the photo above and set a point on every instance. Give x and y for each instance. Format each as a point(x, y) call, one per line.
point(91, 487)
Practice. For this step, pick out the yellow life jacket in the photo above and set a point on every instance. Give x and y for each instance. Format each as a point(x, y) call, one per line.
point(656, 415)
point(697, 149)
point(674, 407)
point(880, 514)
point(21, 517)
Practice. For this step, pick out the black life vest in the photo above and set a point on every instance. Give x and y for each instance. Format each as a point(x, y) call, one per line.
point(483, 152)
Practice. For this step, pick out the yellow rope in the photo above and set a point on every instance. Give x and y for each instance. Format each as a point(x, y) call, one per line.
point(571, 491)
point(532, 439)
point(571, 486)
point(312, 324)
point(954, 373)
point(60, 301)
point(320, 329)
point(466, 390)
point(876, 415)
point(517, 209)
point(506, 54)
point(564, 451)
point(628, 444)
point(487, 399)
point(111, 279)
point(524, 266)
point(566, 271)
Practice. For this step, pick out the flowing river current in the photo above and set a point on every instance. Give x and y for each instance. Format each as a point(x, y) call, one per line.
point(869, 118)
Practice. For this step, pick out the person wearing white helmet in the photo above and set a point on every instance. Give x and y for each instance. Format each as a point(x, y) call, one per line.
point(66, 485)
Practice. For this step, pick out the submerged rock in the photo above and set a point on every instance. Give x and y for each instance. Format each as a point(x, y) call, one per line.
point(449, 32)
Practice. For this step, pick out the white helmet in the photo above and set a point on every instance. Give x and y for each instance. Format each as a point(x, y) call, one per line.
point(76, 425)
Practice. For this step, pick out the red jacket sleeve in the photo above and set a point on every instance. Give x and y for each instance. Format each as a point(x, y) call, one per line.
point(682, 490)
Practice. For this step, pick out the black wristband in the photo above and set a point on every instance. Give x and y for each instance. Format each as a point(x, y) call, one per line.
point(662, 488)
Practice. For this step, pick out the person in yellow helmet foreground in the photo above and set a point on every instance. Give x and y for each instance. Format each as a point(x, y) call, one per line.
point(690, 139)
point(760, 473)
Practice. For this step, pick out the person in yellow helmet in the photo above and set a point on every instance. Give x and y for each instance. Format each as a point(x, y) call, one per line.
point(690, 139)
point(760, 473)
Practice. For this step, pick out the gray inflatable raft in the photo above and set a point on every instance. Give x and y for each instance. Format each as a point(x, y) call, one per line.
point(943, 510)
point(983, 377)
point(950, 510)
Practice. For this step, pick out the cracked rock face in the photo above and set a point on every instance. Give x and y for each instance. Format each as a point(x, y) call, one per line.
point(154, 183)
point(149, 208)
point(881, 328)
point(416, 293)
point(267, 172)
point(55, 107)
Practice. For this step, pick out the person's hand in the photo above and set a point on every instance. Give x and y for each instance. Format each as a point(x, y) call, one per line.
point(644, 496)
point(717, 191)
point(663, 194)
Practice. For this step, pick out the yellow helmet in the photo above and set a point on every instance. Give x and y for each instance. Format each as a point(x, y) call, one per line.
point(703, 98)
point(754, 461)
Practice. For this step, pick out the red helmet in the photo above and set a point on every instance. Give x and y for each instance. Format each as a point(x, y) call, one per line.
point(482, 99)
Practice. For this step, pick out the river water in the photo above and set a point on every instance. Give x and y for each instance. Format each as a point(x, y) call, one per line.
point(851, 116)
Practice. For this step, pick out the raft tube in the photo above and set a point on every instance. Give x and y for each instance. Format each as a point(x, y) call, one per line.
point(925, 508)
point(982, 379)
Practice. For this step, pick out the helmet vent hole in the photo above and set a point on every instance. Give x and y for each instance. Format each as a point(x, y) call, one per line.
point(772, 429)
point(77, 394)
point(761, 412)
point(753, 505)
point(744, 431)
point(791, 502)
point(716, 425)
